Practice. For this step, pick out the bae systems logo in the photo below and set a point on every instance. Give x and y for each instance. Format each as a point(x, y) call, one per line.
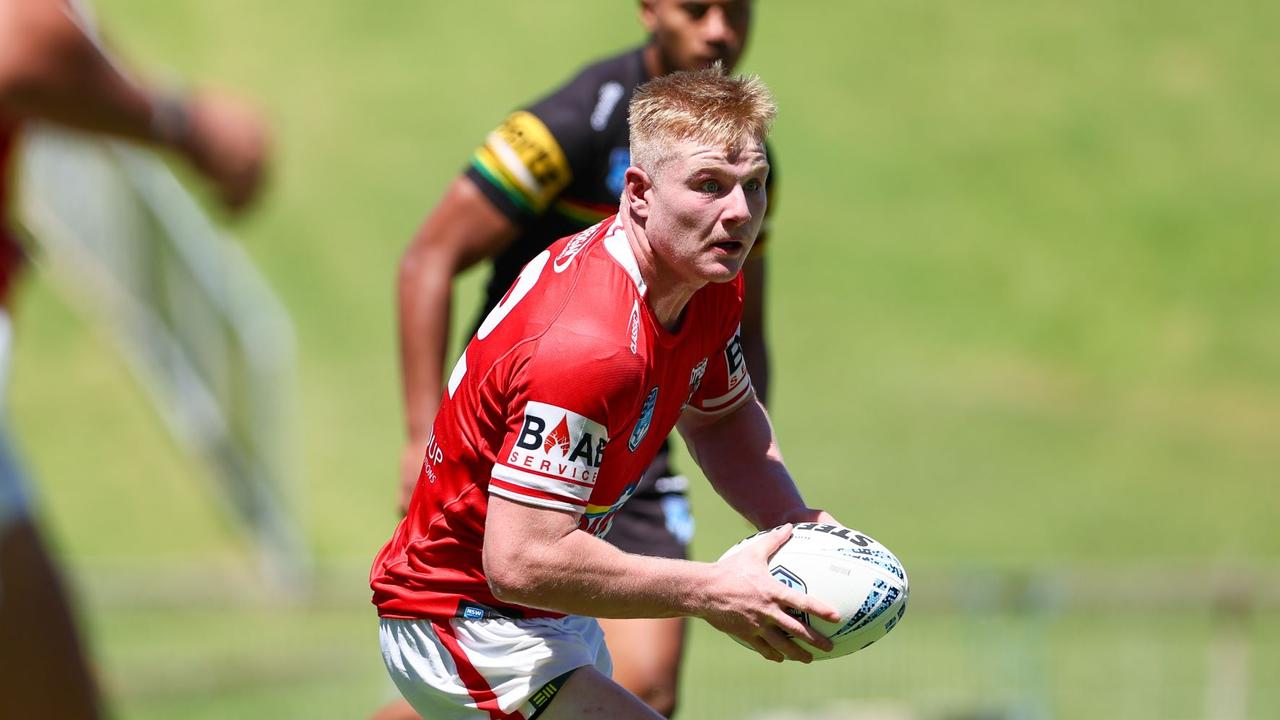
point(558, 438)
point(735, 360)
point(559, 443)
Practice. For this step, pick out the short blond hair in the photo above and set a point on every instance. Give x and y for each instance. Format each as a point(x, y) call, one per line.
point(706, 106)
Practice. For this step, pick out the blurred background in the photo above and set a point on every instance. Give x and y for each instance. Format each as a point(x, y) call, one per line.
point(1025, 276)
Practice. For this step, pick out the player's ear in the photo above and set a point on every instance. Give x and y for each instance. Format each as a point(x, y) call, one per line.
point(648, 15)
point(637, 191)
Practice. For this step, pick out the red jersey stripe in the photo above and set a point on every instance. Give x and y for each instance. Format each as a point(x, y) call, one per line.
point(522, 490)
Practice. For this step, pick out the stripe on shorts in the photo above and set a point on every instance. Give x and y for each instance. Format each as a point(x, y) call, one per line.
point(475, 683)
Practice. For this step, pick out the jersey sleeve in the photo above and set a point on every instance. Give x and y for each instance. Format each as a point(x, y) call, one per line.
point(557, 429)
point(528, 160)
point(725, 383)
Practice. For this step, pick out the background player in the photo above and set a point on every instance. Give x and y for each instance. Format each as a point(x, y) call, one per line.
point(559, 403)
point(545, 173)
point(51, 70)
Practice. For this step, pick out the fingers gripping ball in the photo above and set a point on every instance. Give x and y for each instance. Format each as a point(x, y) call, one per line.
point(847, 570)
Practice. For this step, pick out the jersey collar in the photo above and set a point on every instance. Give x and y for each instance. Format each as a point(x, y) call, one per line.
point(616, 243)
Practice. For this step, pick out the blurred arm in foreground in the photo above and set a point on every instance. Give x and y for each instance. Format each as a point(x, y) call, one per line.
point(52, 70)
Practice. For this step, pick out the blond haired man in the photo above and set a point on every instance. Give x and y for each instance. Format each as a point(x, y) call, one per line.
point(552, 168)
point(607, 340)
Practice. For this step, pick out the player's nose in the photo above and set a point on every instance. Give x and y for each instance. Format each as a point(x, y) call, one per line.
point(716, 29)
point(736, 210)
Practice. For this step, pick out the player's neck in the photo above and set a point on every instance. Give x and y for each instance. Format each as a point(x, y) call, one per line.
point(666, 293)
point(653, 64)
point(668, 307)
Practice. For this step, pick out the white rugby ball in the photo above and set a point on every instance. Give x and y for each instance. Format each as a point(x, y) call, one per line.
point(847, 570)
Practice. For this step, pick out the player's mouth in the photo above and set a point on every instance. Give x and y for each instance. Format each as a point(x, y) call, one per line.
point(729, 247)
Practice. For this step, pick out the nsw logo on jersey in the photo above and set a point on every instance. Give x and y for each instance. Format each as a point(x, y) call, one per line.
point(646, 419)
point(559, 443)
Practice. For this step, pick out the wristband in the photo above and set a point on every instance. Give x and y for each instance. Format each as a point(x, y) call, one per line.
point(170, 119)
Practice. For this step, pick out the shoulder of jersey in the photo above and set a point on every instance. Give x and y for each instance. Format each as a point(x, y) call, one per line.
point(589, 283)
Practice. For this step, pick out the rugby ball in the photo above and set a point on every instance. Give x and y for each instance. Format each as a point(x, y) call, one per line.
point(847, 570)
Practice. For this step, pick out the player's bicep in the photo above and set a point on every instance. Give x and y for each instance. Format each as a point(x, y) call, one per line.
point(509, 519)
point(516, 534)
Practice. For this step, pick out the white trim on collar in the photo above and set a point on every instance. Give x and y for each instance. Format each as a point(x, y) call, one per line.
point(620, 248)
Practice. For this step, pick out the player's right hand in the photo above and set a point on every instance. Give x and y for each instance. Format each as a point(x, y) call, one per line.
point(226, 140)
point(745, 601)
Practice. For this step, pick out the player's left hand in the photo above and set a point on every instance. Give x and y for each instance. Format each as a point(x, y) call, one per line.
point(745, 601)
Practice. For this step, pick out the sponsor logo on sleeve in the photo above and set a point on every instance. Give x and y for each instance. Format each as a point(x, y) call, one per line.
point(735, 360)
point(434, 456)
point(695, 380)
point(559, 443)
point(525, 157)
point(646, 419)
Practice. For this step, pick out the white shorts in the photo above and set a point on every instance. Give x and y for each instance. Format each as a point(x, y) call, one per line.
point(493, 669)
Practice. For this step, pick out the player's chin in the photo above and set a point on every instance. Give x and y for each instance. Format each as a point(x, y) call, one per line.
point(722, 268)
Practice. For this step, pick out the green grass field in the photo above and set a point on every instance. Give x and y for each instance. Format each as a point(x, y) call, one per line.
point(1023, 310)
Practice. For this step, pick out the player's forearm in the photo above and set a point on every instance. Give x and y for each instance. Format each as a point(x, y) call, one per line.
point(583, 575)
point(52, 70)
point(425, 303)
point(739, 455)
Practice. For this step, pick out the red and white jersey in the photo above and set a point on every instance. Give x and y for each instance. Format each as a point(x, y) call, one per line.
point(561, 400)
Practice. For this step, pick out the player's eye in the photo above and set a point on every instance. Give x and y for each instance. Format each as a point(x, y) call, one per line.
point(695, 10)
point(753, 185)
point(709, 186)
